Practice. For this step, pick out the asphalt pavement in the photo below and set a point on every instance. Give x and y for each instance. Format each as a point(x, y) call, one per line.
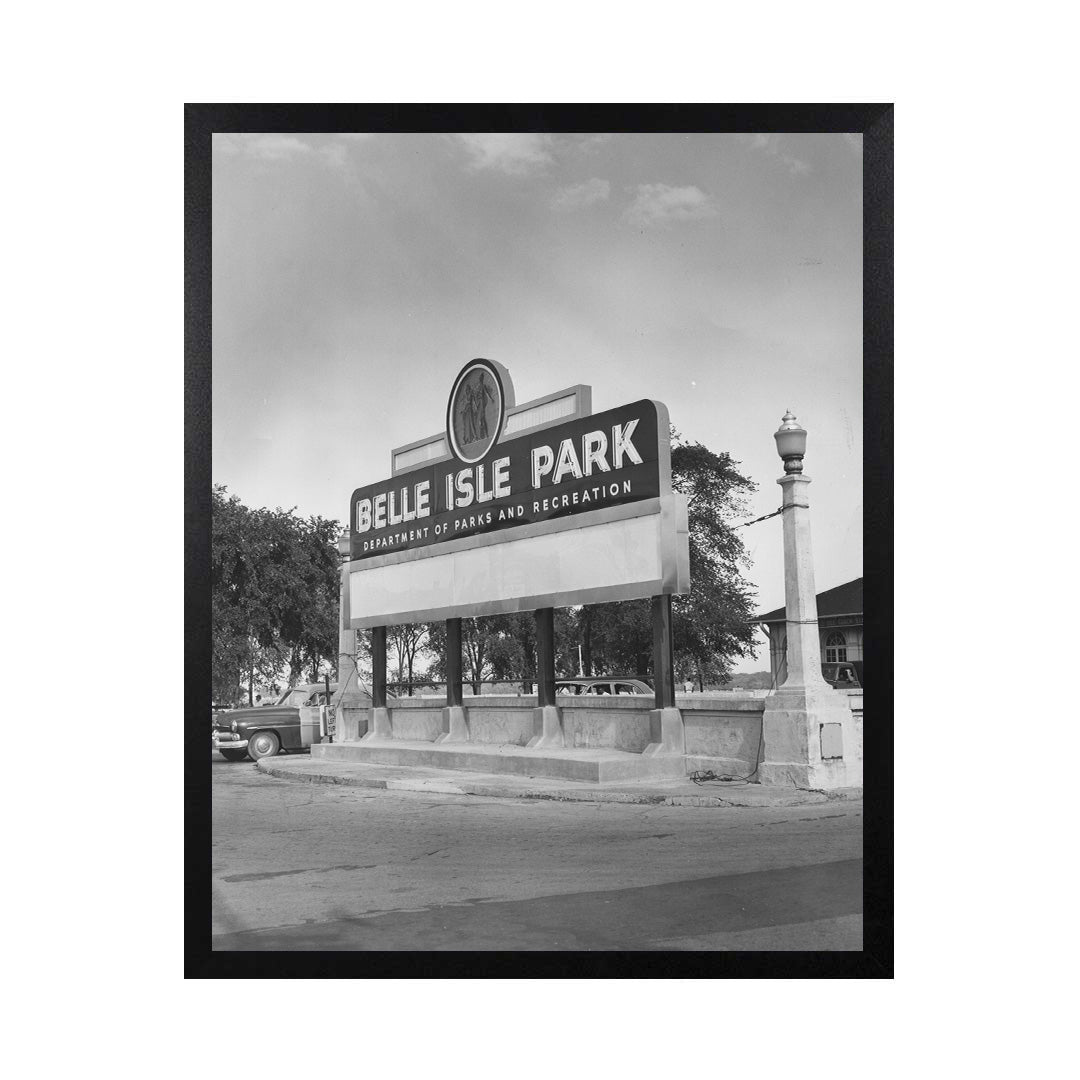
point(304, 866)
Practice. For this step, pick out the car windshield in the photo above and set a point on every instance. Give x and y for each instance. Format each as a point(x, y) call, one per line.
point(295, 698)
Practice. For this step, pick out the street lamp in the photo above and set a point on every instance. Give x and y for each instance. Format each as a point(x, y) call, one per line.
point(791, 443)
point(344, 544)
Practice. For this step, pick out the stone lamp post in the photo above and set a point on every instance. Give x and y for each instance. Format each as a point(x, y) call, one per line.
point(808, 732)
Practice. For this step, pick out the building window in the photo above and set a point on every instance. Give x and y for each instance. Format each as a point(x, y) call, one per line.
point(835, 649)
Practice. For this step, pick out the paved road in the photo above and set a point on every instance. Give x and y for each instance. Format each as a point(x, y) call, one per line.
point(313, 867)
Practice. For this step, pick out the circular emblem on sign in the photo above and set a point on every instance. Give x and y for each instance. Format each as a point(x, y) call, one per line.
point(477, 409)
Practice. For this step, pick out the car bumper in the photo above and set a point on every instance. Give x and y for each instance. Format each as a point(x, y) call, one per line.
point(223, 742)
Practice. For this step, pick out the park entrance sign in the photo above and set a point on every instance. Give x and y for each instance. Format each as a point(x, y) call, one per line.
point(559, 514)
point(600, 461)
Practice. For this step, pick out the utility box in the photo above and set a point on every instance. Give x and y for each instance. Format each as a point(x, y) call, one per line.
point(832, 742)
point(310, 725)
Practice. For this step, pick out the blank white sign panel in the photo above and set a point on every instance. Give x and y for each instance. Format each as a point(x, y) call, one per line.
point(622, 555)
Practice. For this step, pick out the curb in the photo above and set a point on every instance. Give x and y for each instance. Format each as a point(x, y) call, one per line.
point(438, 786)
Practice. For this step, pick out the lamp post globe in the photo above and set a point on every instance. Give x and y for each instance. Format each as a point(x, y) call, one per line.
point(791, 443)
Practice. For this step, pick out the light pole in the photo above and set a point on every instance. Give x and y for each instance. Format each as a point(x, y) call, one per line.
point(808, 733)
point(800, 596)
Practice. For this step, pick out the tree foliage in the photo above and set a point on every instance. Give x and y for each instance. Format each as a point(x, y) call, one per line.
point(502, 648)
point(274, 581)
point(714, 623)
point(407, 643)
point(711, 626)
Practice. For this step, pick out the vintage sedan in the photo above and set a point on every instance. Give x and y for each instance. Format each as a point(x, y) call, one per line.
point(596, 686)
point(265, 730)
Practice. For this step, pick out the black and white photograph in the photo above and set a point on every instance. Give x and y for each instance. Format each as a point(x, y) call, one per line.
point(530, 615)
point(523, 566)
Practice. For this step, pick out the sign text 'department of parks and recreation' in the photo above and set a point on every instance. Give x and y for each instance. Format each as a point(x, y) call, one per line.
point(606, 460)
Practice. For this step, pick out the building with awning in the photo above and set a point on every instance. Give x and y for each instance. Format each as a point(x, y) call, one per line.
point(840, 626)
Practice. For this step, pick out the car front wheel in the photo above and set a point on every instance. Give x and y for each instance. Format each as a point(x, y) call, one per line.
point(234, 755)
point(263, 744)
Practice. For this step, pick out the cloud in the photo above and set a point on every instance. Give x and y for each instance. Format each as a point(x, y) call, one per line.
point(772, 144)
point(262, 147)
point(277, 147)
point(854, 140)
point(656, 203)
point(589, 142)
point(576, 196)
point(515, 152)
point(334, 154)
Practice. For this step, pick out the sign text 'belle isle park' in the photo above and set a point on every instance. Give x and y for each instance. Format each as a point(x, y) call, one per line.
point(602, 460)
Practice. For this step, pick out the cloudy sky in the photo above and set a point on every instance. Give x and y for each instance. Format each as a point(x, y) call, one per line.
point(354, 275)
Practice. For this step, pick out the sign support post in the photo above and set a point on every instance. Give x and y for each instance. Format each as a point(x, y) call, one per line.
point(663, 652)
point(454, 727)
point(545, 656)
point(667, 723)
point(547, 720)
point(380, 716)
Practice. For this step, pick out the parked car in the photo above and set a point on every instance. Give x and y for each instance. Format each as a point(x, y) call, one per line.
point(844, 676)
point(264, 730)
point(596, 687)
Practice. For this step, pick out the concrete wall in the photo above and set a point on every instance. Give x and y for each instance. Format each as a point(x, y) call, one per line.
point(607, 722)
point(505, 719)
point(855, 700)
point(417, 723)
point(510, 724)
point(722, 731)
point(352, 723)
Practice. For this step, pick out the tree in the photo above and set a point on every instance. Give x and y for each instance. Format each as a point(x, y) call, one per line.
point(274, 587)
point(616, 638)
point(514, 654)
point(714, 623)
point(502, 648)
point(408, 641)
point(481, 648)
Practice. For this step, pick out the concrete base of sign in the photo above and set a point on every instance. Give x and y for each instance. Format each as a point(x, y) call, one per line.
point(720, 732)
point(595, 766)
point(810, 740)
point(547, 722)
point(352, 715)
point(669, 736)
point(380, 725)
point(455, 727)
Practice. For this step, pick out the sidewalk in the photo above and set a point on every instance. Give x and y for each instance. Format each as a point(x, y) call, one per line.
point(670, 792)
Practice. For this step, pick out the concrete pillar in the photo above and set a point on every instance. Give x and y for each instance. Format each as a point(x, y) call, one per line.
point(800, 594)
point(350, 702)
point(808, 730)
